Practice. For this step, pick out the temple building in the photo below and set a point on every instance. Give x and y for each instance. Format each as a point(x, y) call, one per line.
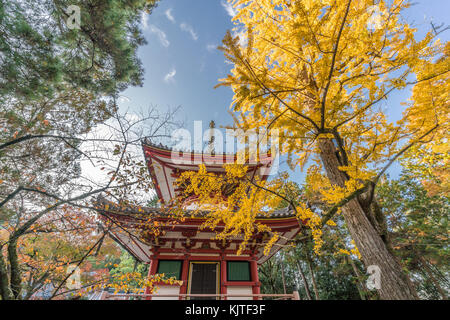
point(207, 267)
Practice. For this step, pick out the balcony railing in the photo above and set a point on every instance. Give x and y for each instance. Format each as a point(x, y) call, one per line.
point(128, 296)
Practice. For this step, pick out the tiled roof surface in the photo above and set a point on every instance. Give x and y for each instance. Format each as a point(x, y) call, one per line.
point(143, 211)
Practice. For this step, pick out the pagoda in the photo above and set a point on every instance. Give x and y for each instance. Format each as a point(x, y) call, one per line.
point(184, 250)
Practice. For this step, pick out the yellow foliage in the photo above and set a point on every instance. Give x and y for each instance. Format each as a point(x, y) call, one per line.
point(344, 251)
point(319, 69)
point(310, 67)
point(313, 221)
point(232, 199)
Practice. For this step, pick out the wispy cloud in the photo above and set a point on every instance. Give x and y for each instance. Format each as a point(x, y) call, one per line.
point(237, 31)
point(144, 20)
point(162, 37)
point(211, 47)
point(229, 8)
point(169, 15)
point(170, 77)
point(188, 28)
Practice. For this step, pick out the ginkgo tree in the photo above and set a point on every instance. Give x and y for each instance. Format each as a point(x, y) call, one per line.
point(321, 72)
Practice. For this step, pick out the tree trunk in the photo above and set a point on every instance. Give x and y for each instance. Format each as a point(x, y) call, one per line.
point(395, 285)
point(16, 278)
point(270, 276)
point(282, 274)
point(313, 278)
point(305, 283)
point(5, 291)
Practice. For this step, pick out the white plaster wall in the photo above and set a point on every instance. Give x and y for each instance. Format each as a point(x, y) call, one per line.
point(239, 290)
point(167, 290)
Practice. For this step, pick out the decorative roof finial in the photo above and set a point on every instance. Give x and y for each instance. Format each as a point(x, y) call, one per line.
point(212, 138)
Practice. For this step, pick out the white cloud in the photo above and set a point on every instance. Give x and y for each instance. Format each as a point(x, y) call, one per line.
point(160, 34)
point(169, 15)
point(211, 47)
point(170, 76)
point(228, 8)
point(232, 12)
point(188, 28)
point(238, 31)
point(124, 99)
point(144, 20)
point(97, 146)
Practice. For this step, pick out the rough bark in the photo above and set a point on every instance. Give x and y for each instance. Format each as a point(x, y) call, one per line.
point(5, 291)
point(395, 285)
point(16, 277)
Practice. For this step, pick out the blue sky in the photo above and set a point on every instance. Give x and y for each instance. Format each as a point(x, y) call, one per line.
point(182, 64)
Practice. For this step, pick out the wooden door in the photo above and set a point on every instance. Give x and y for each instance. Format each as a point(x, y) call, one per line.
point(204, 279)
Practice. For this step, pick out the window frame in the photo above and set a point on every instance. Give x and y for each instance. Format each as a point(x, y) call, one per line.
point(239, 261)
point(170, 260)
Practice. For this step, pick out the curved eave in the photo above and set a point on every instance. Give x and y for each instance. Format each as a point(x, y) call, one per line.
point(162, 166)
point(288, 227)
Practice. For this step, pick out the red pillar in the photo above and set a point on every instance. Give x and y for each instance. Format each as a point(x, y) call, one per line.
point(254, 271)
point(223, 276)
point(151, 271)
point(184, 276)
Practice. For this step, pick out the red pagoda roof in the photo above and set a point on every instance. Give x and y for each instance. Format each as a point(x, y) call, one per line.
point(165, 168)
point(130, 221)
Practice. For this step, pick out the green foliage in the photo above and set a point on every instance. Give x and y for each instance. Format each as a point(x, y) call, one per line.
point(270, 276)
point(333, 275)
point(335, 280)
point(418, 230)
point(56, 85)
point(292, 192)
point(39, 54)
point(128, 264)
point(418, 224)
point(107, 262)
point(332, 271)
point(154, 202)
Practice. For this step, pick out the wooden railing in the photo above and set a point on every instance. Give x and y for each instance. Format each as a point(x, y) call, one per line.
point(127, 296)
